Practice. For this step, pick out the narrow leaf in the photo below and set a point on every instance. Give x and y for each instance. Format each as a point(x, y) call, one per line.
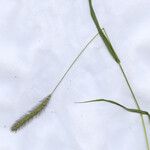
point(115, 103)
point(31, 114)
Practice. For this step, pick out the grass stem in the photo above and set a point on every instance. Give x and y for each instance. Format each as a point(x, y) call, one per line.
point(75, 60)
point(137, 104)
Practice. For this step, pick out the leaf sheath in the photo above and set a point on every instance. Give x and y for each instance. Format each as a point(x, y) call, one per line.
point(101, 33)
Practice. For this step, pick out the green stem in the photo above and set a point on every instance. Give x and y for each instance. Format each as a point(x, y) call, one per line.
point(133, 95)
point(75, 60)
point(136, 102)
point(127, 81)
point(117, 60)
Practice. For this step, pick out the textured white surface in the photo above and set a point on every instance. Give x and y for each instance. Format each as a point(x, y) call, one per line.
point(38, 41)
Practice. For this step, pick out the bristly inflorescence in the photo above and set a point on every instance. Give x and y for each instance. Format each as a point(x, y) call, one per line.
point(31, 114)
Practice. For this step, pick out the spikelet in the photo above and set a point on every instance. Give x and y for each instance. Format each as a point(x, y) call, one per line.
point(31, 114)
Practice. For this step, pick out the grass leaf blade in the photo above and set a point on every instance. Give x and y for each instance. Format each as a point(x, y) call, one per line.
point(115, 103)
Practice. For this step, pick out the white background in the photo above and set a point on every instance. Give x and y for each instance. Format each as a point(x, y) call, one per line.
point(39, 40)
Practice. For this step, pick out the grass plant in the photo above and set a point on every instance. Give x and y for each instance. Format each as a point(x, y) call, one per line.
point(43, 104)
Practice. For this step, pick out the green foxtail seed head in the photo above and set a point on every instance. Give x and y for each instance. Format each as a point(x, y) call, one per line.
point(31, 114)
